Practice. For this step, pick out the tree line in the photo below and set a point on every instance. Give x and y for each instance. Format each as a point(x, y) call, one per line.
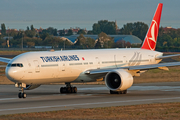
point(168, 38)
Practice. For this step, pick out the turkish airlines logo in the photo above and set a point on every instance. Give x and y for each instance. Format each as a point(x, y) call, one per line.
point(152, 35)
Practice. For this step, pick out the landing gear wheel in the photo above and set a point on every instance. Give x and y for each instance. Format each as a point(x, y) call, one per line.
point(113, 92)
point(124, 92)
point(68, 89)
point(118, 92)
point(19, 95)
point(62, 90)
point(75, 89)
point(72, 89)
point(22, 95)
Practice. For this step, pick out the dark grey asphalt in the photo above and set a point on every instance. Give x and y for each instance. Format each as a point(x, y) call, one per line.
point(47, 97)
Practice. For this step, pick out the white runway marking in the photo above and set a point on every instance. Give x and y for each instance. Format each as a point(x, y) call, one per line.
point(139, 88)
point(97, 103)
point(8, 99)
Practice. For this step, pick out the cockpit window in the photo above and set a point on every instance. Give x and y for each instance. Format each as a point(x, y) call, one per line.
point(15, 65)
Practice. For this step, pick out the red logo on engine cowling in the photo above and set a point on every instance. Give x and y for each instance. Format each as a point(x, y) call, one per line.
point(152, 35)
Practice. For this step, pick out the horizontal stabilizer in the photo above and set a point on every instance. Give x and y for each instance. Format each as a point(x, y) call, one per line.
point(167, 56)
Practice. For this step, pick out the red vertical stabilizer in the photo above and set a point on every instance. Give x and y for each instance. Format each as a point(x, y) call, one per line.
point(151, 36)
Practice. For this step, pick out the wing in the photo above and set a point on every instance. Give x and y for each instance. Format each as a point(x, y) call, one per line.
point(153, 66)
point(140, 67)
point(6, 60)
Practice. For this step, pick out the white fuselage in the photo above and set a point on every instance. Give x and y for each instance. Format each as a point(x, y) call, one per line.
point(69, 65)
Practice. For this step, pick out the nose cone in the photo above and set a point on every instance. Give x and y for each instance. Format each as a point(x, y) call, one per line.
point(13, 73)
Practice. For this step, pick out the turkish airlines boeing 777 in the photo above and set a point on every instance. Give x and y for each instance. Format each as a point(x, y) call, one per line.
point(116, 66)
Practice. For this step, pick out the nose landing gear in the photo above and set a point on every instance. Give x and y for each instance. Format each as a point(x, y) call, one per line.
point(22, 86)
point(22, 94)
point(68, 89)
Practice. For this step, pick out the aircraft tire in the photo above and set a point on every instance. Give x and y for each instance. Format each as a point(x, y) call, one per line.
point(75, 89)
point(62, 90)
point(112, 92)
point(125, 92)
point(23, 95)
point(19, 95)
point(69, 90)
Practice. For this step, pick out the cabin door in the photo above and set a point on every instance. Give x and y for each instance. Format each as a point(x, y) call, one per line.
point(37, 67)
point(63, 66)
point(97, 62)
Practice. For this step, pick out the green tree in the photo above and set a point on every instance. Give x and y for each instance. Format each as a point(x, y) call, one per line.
point(50, 31)
point(12, 33)
point(80, 42)
point(96, 28)
point(138, 29)
point(110, 28)
point(98, 44)
point(30, 33)
point(18, 35)
point(81, 31)
point(30, 44)
point(32, 28)
point(70, 32)
point(62, 32)
point(90, 32)
point(44, 35)
point(106, 41)
point(49, 40)
point(90, 42)
point(3, 29)
point(27, 27)
point(104, 26)
point(65, 43)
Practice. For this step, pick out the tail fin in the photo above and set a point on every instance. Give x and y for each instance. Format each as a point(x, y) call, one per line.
point(151, 36)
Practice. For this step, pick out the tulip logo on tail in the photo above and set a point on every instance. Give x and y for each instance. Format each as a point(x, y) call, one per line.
point(152, 40)
point(151, 36)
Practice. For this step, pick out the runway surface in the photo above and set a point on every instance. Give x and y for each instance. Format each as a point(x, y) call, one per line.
point(47, 97)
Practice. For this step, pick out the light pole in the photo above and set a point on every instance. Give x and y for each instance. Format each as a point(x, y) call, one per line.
point(64, 44)
point(8, 37)
point(22, 40)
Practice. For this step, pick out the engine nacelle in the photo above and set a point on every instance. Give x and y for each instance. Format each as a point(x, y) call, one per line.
point(30, 87)
point(118, 80)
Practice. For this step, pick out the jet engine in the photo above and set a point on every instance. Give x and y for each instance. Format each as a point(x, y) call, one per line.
point(30, 87)
point(118, 80)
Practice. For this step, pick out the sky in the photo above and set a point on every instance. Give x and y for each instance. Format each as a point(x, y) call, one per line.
point(63, 14)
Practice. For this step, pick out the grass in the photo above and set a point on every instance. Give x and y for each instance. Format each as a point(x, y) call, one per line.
point(169, 111)
point(11, 52)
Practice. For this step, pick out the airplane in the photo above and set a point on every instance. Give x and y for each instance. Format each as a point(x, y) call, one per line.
point(116, 67)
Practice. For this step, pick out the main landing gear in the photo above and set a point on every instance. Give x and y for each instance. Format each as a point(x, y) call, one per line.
point(68, 89)
point(118, 92)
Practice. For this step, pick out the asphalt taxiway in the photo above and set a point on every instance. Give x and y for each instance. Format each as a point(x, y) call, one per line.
point(48, 98)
